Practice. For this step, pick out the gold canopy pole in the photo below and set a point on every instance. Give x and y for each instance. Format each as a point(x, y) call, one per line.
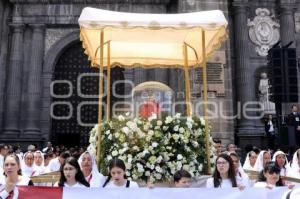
point(108, 82)
point(187, 81)
point(205, 102)
point(100, 96)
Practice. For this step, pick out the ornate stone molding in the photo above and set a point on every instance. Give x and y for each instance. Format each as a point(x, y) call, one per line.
point(55, 34)
point(287, 7)
point(88, 1)
point(191, 2)
point(17, 27)
point(297, 22)
point(38, 27)
point(263, 31)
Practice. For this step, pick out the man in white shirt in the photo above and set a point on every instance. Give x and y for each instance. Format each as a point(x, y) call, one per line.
point(48, 148)
point(54, 164)
point(270, 131)
point(3, 153)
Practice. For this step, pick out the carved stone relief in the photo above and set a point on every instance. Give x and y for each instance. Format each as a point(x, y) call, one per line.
point(191, 2)
point(54, 34)
point(297, 22)
point(263, 31)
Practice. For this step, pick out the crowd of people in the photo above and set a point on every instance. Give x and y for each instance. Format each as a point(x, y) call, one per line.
point(78, 168)
point(269, 164)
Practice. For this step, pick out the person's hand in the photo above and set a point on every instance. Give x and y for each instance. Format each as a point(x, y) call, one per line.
point(291, 186)
point(298, 128)
point(269, 186)
point(150, 185)
point(241, 187)
point(9, 186)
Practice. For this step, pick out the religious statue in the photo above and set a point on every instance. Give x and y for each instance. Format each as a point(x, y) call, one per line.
point(150, 106)
point(264, 93)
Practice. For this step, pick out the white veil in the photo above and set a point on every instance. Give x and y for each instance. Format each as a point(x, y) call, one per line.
point(97, 178)
point(259, 164)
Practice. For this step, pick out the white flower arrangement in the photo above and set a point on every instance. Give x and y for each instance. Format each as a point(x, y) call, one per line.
point(153, 149)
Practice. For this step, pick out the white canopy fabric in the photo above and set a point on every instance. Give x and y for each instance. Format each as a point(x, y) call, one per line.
point(149, 40)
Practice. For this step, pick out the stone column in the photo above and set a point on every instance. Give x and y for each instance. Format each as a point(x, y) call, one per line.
point(245, 89)
point(2, 7)
point(4, 46)
point(33, 97)
point(14, 81)
point(287, 22)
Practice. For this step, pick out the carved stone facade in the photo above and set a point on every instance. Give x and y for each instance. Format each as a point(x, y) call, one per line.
point(35, 33)
point(264, 31)
point(54, 35)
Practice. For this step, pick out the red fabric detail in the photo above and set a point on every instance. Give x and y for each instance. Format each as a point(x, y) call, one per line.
point(36, 192)
point(148, 108)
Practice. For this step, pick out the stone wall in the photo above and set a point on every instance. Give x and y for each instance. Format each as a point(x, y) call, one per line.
point(34, 33)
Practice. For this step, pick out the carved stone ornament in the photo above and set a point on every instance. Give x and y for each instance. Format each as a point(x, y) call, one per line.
point(263, 31)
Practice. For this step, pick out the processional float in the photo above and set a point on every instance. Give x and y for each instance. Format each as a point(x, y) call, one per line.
point(129, 40)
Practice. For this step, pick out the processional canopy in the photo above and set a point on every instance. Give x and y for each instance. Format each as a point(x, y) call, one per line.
point(149, 40)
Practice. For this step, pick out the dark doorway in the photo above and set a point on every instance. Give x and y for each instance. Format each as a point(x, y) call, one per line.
point(75, 97)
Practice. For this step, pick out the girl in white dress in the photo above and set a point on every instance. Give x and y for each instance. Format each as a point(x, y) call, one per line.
point(27, 164)
point(224, 173)
point(271, 177)
point(263, 158)
point(281, 162)
point(295, 168)
point(250, 161)
point(242, 178)
point(88, 166)
point(117, 177)
point(71, 175)
point(38, 165)
point(13, 177)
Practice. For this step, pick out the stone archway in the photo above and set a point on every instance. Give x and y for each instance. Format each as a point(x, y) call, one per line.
point(50, 59)
point(74, 106)
point(71, 92)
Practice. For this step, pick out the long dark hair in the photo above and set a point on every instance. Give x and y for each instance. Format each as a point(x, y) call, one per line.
point(114, 163)
point(79, 175)
point(231, 173)
point(14, 156)
point(270, 167)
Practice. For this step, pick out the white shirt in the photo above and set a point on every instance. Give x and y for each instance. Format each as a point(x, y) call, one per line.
point(242, 180)
point(75, 185)
point(95, 179)
point(23, 182)
point(66, 185)
point(54, 165)
point(271, 129)
point(262, 185)
point(224, 184)
point(46, 148)
point(111, 184)
point(1, 161)
point(1, 174)
point(27, 171)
